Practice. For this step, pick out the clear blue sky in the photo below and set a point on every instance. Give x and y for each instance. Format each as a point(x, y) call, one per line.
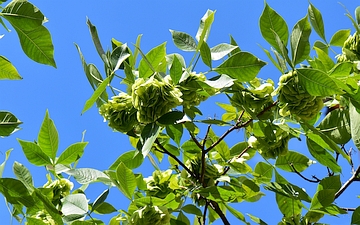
point(64, 90)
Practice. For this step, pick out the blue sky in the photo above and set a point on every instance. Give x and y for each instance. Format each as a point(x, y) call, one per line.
point(63, 91)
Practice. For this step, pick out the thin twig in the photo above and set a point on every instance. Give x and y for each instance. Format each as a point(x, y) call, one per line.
point(205, 211)
point(174, 157)
point(347, 183)
point(307, 179)
point(195, 140)
point(348, 209)
point(203, 154)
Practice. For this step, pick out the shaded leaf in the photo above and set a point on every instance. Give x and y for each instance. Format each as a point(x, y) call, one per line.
point(242, 66)
point(96, 41)
point(8, 123)
point(16, 192)
point(175, 132)
point(289, 207)
point(131, 160)
point(322, 198)
point(355, 218)
point(354, 125)
point(105, 208)
point(23, 174)
point(299, 161)
point(205, 54)
point(170, 117)
point(192, 209)
point(236, 213)
point(176, 69)
point(2, 165)
point(97, 93)
point(263, 172)
point(99, 200)
point(7, 70)
point(148, 137)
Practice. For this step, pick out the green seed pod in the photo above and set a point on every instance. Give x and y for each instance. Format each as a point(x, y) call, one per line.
point(161, 183)
point(120, 113)
point(193, 91)
point(60, 189)
point(150, 215)
point(295, 100)
point(271, 148)
point(350, 49)
point(154, 98)
point(44, 216)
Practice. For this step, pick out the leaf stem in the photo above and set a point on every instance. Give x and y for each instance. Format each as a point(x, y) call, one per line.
point(174, 157)
point(347, 183)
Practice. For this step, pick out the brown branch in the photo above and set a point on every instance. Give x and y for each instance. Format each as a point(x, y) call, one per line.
point(348, 209)
point(203, 154)
point(307, 179)
point(174, 157)
point(217, 209)
point(195, 140)
point(205, 211)
point(347, 183)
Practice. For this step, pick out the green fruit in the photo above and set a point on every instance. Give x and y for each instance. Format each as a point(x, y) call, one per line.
point(150, 215)
point(120, 113)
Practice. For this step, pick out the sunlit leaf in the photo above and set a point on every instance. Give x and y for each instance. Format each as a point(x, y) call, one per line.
point(316, 21)
point(183, 41)
point(339, 38)
point(2, 165)
point(148, 137)
point(300, 45)
point(48, 138)
point(7, 70)
point(74, 204)
point(99, 200)
point(221, 50)
point(34, 154)
point(317, 82)
point(242, 66)
point(87, 175)
point(176, 69)
point(271, 22)
point(354, 125)
point(205, 54)
point(322, 198)
point(204, 28)
point(97, 93)
point(23, 174)
point(289, 207)
point(263, 172)
point(154, 57)
point(126, 179)
point(331, 182)
point(72, 153)
point(130, 159)
point(325, 59)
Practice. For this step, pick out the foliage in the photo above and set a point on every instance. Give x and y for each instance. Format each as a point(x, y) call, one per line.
point(158, 108)
point(27, 20)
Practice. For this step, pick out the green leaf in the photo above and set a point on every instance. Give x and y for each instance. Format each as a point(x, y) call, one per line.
point(219, 193)
point(341, 70)
point(206, 54)
point(357, 14)
point(96, 41)
point(322, 156)
point(183, 41)
point(8, 123)
point(87, 175)
point(325, 59)
point(300, 45)
point(322, 198)
point(204, 28)
point(99, 200)
point(256, 219)
point(339, 37)
point(271, 22)
point(316, 21)
point(118, 56)
point(176, 70)
point(336, 125)
point(34, 38)
point(175, 132)
point(148, 137)
point(7, 70)
point(23, 174)
point(331, 183)
point(321, 45)
point(49, 207)
point(236, 213)
point(130, 159)
point(2, 165)
point(276, 64)
point(355, 218)
point(283, 52)
point(154, 57)
point(48, 138)
point(97, 93)
point(105, 208)
point(299, 161)
point(72, 153)
point(317, 82)
point(74, 204)
point(16, 192)
point(221, 148)
point(242, 66)
point(170, 117)
point(136, 51)
point(219, 82)
point(34, 154)
point(126, 179)
point(192, 209)
point(288, 207)
point(354, 125)
point(263, 172)
point(221, 50)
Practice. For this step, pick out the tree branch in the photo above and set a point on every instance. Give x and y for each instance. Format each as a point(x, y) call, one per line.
point(348, 209)
point(203, 154)
point(347, 183)
point(217, 209)
point(174, 157)
point(307, 179)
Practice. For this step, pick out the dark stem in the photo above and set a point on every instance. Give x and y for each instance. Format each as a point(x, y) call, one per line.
point(307, 179)
point(348, 209)
point(347, 183)
point(205, 211)
point(217, 209)
point(203, 154)
point(163, 149)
